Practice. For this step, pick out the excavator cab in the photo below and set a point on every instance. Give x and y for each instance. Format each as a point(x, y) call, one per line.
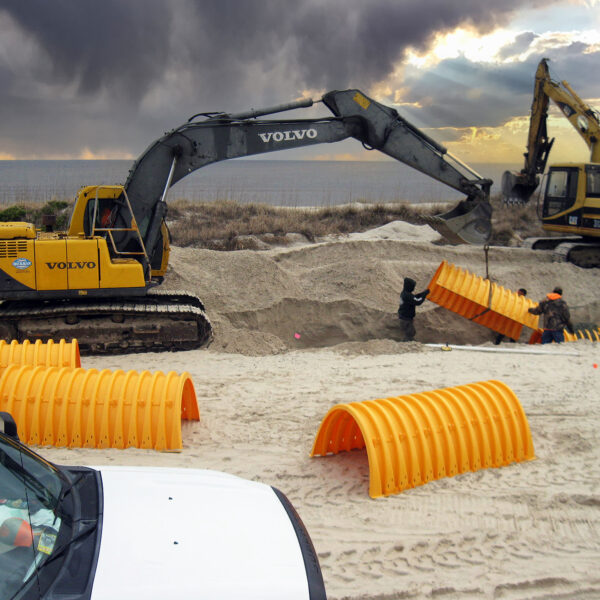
point(94, 209)
point(572, 200)
point(561, 190)
point(105, 211)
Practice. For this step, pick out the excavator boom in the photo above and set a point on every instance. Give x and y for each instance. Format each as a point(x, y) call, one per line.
point(519, 187)
point(222, 136)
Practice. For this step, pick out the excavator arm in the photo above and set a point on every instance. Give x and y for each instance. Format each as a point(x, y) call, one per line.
point(211, 137)
point(519, 187)
point(383, 129)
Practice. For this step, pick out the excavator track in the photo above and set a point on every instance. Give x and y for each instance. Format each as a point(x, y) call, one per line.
point(585, 256)
point(158, 322)
point(547, 243)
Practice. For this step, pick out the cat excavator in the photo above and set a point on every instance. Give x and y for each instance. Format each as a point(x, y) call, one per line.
point(99, 281)
point(571, 201)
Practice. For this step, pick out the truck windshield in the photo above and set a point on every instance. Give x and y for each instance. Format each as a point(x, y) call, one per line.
point(30, 519)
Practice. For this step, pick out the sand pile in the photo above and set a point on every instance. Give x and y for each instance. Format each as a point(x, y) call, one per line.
point(529, 530)
point(347, 289)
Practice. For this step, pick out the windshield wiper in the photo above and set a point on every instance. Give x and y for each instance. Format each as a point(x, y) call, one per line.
point(67, 489)
point(58, 552)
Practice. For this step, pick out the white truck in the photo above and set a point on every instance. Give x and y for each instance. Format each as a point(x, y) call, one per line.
point(105, 533)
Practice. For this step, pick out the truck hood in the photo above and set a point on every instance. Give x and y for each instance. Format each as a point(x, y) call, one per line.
point(189, 533)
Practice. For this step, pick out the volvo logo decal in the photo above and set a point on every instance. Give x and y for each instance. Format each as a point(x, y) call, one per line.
point(21, 263)
point(288, 136)
point(71, 265)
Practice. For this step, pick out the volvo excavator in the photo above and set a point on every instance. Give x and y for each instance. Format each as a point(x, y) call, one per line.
point(571, 201)
point(99, 281)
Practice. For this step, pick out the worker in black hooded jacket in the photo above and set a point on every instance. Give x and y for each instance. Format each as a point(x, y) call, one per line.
point(406, 311)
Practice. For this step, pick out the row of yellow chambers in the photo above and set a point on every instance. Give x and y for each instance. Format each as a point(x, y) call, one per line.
point(56, 402)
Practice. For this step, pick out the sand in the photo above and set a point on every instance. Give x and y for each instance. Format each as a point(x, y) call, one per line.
point(528, 530)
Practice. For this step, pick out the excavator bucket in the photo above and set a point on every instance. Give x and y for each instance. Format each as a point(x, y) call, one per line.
point(517, 188)
point(470, 222)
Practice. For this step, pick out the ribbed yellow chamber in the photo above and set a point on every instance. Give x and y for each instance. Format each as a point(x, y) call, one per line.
point(38, 353)
point(481, 301)
point(98, 409)
point(417, 438)
point(593, 335)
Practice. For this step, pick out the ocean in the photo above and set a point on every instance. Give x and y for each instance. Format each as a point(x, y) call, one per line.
point(275, 182)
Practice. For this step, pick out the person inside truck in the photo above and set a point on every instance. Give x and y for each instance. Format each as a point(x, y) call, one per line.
point(29, 519)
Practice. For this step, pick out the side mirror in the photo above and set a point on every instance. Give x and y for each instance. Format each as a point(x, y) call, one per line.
point(8, 426)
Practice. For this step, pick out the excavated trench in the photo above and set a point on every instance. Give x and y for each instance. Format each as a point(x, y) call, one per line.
point(347, 292)
point(293, 323)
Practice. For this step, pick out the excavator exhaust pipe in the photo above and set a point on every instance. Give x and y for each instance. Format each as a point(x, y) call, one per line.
point(517, 188)
point(470, 222)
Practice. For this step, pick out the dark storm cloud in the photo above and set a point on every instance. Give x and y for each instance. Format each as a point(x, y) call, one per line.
point(522, 42)
point(466, 94)
point(373, 35)
point(95, 44)
point(106, 73)
point(337, 42)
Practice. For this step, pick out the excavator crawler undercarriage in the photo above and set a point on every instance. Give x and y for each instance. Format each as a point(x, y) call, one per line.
point(157, 322)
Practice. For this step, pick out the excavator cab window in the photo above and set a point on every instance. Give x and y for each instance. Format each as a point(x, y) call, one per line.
point(561, 190)
point(106, 214)
point(592, 173)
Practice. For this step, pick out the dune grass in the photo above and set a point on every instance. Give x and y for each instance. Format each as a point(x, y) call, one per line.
point(228, 225)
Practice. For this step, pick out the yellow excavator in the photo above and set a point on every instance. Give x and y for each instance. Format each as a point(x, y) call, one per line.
point(99, 281)
point(571, 201)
